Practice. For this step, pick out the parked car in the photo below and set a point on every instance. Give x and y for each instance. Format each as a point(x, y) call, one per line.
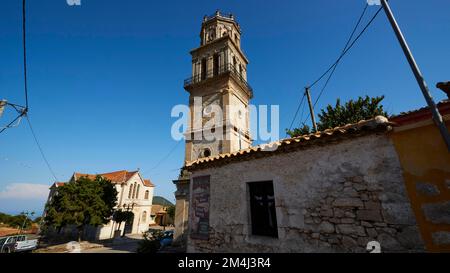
point(17, 243)
point(166, 239)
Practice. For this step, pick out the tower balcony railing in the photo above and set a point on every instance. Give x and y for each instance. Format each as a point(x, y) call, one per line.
point(227, 68)
point(218, 14)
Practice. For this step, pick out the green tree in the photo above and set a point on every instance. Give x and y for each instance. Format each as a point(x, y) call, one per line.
point(15, 221)
point(81, 203)
point(171, 211)
point(339, 115)
point(122, 216)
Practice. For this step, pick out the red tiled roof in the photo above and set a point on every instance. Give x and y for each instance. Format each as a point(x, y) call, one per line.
point(420, 114)
point(364, 127)
point(148, 183)
point(117, 177)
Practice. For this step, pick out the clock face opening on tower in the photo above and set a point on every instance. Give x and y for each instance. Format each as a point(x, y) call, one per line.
point(206, 152)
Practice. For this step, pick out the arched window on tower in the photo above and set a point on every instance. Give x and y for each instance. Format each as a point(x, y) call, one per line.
point(216, 64)
point(203, 69)
point(144, 216)
point(146, 194)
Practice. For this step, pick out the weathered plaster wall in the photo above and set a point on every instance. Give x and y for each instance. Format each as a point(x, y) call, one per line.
point(334, 198)
point(181, 212)
point(426, 165)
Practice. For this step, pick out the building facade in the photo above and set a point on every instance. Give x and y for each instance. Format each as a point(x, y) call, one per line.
point(426, 171)
point(134, 194)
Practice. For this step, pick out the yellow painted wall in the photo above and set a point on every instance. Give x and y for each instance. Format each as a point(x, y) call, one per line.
point(425, 159)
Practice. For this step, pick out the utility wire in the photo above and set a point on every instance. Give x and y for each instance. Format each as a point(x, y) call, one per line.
point(343, 50)
point(169, 171)
point(24, 52)
point(296, 112)
point(346, 51)
point(164, 158)
point(23, 110)
point(12, 122)
point(40, 149)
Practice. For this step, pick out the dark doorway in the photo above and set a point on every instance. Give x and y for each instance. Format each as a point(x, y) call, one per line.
point(129, 225)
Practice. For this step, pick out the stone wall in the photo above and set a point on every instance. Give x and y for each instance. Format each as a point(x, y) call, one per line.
point(333, 198)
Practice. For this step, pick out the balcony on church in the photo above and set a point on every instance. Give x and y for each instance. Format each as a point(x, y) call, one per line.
point(217, 71)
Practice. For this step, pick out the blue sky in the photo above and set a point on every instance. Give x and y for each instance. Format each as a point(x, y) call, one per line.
point(104, 76)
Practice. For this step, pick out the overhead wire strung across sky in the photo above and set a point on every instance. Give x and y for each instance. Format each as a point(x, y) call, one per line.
point(345, 48)
point(296, 112)
point(40, 149)
point(163, 158)
point(349, 44)
point(23, 110)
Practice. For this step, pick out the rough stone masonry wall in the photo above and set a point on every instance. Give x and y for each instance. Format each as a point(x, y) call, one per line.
point(334, 198)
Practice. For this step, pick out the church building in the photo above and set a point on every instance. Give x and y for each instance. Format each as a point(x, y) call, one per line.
point(134, 193)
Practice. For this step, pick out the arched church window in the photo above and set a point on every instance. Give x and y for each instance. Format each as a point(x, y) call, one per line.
point(144, 216)
point(137, 191)
point(130, 191)
point(146, 194)
point(134, 191)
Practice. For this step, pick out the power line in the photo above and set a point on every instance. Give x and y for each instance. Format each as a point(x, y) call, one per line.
point(23, 110)
point(163, 158)
point(19, 117)
point(40, 149)
point(345, 51)
point(169, 171)
point(296, 112)
point(24, 52)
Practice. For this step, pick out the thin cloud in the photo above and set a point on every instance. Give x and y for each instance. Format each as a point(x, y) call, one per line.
point(25, 191)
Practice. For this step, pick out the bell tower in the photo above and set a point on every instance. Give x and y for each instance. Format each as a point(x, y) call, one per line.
point(218, 81)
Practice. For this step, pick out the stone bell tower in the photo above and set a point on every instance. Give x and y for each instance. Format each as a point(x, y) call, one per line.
point(219, 80)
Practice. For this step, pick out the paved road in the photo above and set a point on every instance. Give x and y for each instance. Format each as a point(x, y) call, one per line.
point(123, 248)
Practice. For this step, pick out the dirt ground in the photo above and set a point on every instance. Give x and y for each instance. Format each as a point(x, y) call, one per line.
point(70, 247)
point(6, 231)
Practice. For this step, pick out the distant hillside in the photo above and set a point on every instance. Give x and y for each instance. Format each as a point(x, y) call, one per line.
point(159, 200)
